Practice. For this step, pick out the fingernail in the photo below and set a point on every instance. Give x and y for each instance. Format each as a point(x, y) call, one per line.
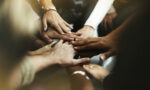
point(77, 39)
point(75, 47)
point(72, 42)
point(102, 57)
point(72, 39)
point(70, 32)
point(44, 29)
point(84, 66)
point(62, 33)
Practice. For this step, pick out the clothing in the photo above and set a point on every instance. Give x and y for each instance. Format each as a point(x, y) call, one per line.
point(99, 12)
point(78, 12)
point(85, 12)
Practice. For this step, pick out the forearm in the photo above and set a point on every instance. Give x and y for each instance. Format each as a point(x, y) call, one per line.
point(24, 73)
point(99, 12)
point(40, 62)
point(117, 33)
point(47, 4)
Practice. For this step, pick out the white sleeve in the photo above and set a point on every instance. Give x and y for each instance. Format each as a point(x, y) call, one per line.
point(99, 13)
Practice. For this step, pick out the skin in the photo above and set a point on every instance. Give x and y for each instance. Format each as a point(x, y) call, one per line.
point(96, 71)
point(51, 33)
point(86, 31)
point(107, 45)
point(79, 81)
point(108, 20)
point(54, 19)
point(45, 57)
point(96, 46)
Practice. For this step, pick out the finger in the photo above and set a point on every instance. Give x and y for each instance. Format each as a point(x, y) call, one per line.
point(106, 55)
point(78, 34)
point(110, 23)
point(105, 24)
point(58, 28)
point(45, 24)
point(79, 42)
point(43, 49)
point(64, 28)
point(88, 68)
point(68, 25)
point(66, 38)
point(79, 48)
point(47, 39)
point(50, 45)
point(81, 61)
point(85, 47)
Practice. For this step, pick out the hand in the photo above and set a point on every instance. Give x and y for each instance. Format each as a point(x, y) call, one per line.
point(58, 53)
point(96, 71)
point(42, 51)
point(106, 45)
point(54, 19)
point(63, 54)
point(108, 20)
point(86, 31)
point(53, 34)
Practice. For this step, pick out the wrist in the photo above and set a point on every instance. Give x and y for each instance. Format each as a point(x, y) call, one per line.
point(47, 4)
point(89, 27)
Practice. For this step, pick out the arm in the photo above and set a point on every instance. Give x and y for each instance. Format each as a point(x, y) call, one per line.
point(95, 18)
point(99, 13)
point(38, 60)
point(107, 45)
point(52, 17)
point(47, 4)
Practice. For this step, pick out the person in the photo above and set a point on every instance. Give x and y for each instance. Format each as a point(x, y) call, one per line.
point(90, 24)
point(107, 45)
point(41, 59)
point(62, 26)
point(127, 75)
point(20, 67)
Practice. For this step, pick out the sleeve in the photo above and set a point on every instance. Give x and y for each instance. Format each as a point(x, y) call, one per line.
point(99, 13)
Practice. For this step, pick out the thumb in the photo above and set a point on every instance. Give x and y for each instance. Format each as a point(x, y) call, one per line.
point(44, 24)
point(106, 55)
point(80, 61)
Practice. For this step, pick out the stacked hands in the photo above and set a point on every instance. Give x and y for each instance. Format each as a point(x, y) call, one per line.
point(63, 51)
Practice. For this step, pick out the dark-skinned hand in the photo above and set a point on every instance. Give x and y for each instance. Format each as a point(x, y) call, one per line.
point(103, 45)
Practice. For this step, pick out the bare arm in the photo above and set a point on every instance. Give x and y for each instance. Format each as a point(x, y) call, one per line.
point(24, 73)
point(52, 17)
